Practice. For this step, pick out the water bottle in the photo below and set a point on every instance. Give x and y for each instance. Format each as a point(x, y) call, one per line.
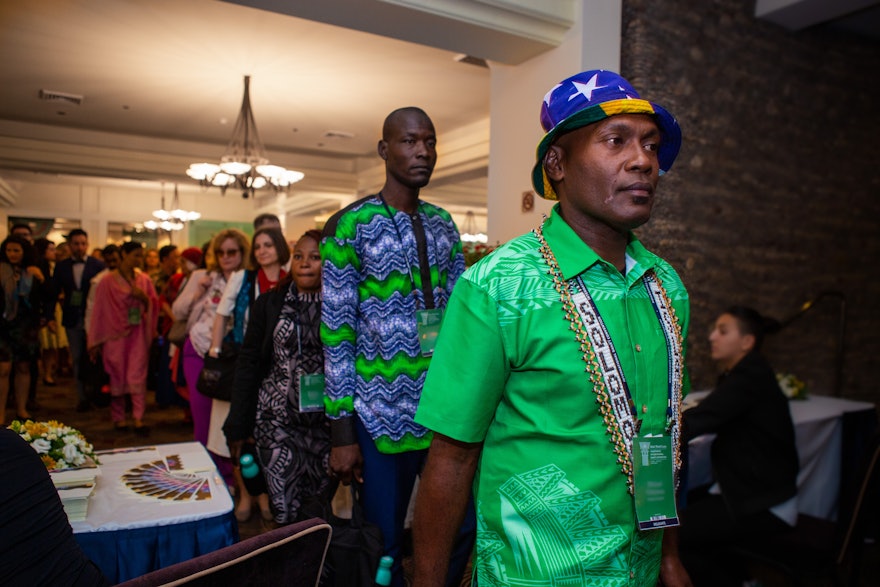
point(383, 573)
point(251, 474)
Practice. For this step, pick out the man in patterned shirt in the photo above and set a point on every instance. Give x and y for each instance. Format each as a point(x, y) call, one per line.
point(555, 389)
point(390, 261)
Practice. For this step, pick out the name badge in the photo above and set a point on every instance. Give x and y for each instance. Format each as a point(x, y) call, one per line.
point(134, 316)
point(311, 392)
point(76, 298)
point(653, 478)
point(428, 322)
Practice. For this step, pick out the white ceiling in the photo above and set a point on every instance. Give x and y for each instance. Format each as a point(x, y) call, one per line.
point(162, 80)
point(154, 71)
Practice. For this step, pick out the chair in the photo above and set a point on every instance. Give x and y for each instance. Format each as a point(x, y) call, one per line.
point(290, 555)
point(822, 548)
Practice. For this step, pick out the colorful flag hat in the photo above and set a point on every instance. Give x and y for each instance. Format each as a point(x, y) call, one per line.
point(589, 97)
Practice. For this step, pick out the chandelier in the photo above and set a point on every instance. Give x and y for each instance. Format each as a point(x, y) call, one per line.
point(244, 164)
point(170, 220)
point(470, 233)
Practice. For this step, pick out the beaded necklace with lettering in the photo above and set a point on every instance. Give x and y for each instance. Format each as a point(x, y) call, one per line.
point(672, 330)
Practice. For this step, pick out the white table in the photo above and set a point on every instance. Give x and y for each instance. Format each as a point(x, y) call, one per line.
point(127, 533)
point(818, 428)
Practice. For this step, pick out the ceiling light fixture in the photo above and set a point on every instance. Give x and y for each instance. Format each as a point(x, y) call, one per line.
point(470, 233)
point(171, 220)
point(244, 164)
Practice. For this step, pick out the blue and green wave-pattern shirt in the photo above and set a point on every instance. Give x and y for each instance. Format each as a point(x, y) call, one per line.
point(373, 364)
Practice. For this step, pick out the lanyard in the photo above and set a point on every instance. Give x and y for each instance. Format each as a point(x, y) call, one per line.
point(608, 361)
point(425, 271)
point(606, 376)
point(299, 344)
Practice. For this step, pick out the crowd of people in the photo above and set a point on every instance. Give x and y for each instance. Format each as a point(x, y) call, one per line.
point(561, 354)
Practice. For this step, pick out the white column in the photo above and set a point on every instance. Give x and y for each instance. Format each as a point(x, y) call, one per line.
point(593, 42)
point(91, 218)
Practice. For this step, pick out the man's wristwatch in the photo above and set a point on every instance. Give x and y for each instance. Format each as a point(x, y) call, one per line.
point(214, 350)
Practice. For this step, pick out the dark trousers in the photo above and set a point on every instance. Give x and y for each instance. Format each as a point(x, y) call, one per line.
point(76, 338)
point(707, 531)
point(388, 486)
point(166, 391)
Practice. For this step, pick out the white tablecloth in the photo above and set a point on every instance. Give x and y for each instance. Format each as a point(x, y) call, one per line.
point(818, 435)
point(115, 506)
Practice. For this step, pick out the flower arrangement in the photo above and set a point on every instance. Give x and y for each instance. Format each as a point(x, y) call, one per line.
point(59, 446)
point(473, 252)
point(791, 386)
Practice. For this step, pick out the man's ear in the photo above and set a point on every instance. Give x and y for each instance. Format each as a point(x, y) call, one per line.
point(553, 166)
point(382, 149)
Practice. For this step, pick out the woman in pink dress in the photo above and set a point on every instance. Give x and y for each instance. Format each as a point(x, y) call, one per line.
point(122, 326)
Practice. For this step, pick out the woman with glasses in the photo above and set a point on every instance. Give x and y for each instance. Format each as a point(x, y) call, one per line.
point(269, 254)
point(197, 304)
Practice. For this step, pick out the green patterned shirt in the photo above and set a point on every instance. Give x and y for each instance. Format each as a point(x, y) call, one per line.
point(552, 503)
point(372, 287)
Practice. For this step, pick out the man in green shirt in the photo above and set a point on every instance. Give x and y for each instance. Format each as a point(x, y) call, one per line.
point(556, 383)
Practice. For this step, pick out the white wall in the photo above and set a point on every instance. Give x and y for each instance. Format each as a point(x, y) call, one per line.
point(95, 202)
point(516, 95)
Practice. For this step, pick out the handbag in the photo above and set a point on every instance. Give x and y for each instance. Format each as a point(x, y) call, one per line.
point(217, 376)
point(177, 333)
point(356, 545)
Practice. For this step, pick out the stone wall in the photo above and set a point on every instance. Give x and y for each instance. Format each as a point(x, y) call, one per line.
point(775, 196)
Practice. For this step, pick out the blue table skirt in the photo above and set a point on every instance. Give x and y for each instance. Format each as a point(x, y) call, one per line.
point(126, 554)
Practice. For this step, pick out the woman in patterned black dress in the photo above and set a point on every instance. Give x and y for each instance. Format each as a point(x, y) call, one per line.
point(281, 350)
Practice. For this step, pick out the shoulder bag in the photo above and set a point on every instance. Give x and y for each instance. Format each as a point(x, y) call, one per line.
point(177, 333)
point(215, 380)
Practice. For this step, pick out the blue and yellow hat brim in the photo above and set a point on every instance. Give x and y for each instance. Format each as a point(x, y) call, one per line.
point(670, 132)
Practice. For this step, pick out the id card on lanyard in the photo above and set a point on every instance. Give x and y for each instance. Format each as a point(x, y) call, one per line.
point(311, 392)
point(134, 315)
point(305, 390)
point(653, 478)
point(428, 322)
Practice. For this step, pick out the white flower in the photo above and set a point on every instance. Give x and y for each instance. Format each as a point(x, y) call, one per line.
point(62, 446)
point(70, 452)
point(41, 445)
